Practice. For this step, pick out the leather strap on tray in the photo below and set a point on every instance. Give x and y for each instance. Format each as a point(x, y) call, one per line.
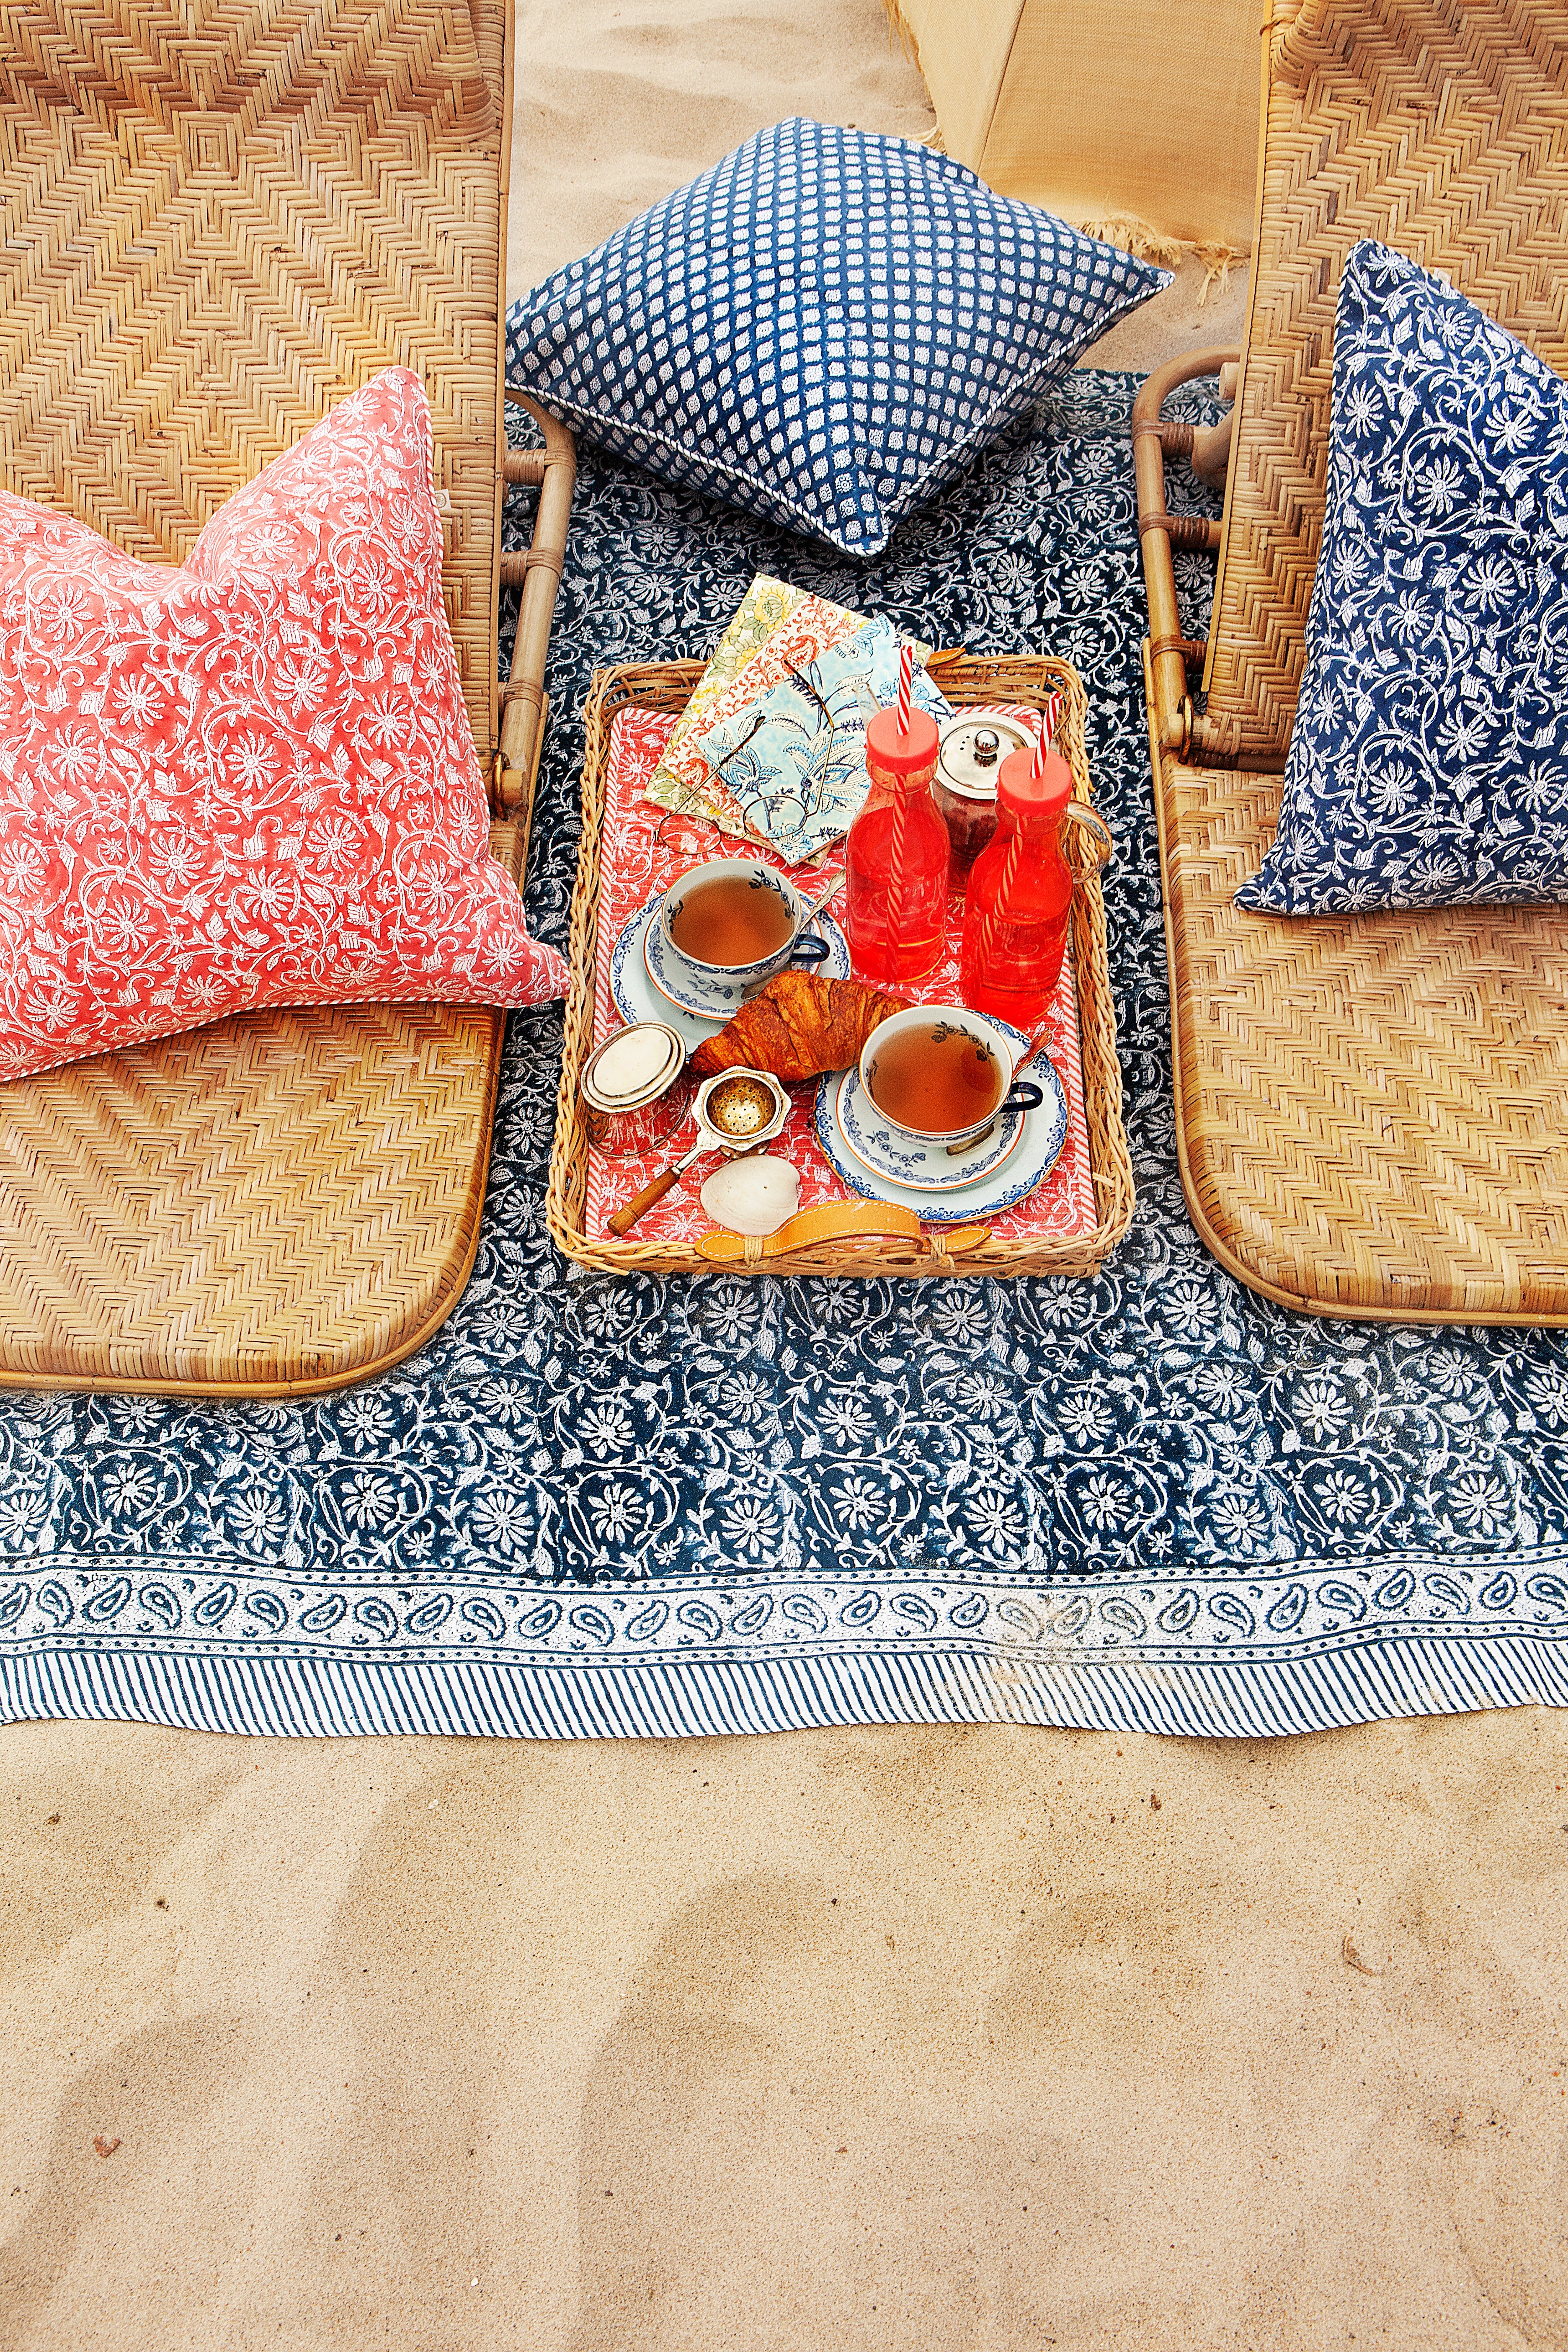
point(838, 1221)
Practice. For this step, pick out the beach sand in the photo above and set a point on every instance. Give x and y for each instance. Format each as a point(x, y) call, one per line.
point(913, 2039)
point(886, 2039)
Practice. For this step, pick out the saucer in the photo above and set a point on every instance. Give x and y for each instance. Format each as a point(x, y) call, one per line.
point(898, 1158)
point(1030, 1156)
point(717, 1000)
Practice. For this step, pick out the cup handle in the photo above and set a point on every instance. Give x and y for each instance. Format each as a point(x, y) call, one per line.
point(1025, 1095)
point(810, 951)
point(1097, 829)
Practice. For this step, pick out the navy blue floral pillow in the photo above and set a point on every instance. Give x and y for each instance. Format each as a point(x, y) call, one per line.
point(1428, 764)
point(821, 330)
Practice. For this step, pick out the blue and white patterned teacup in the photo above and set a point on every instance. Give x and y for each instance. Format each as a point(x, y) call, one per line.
point(792, 948)
point(938, 1021)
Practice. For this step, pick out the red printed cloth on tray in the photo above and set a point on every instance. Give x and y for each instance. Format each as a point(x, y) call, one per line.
point(642, 850)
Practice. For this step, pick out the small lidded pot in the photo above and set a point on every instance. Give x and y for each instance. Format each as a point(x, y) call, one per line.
point(968, 762)
point(633, 1091)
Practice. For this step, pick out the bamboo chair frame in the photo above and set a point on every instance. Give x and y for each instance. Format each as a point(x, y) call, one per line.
point(210, 240)
point(1371, 1112)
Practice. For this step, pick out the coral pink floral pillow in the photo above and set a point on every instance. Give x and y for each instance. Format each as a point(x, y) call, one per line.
point(251, 780)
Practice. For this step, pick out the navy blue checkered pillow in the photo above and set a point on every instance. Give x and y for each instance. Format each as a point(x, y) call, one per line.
point(1428, 761)
point(821, 330)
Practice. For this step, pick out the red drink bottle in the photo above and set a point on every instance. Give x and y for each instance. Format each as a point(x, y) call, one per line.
point(1020, 897)
point(895, 907)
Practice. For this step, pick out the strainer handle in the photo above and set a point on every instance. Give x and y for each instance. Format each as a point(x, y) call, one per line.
point(652, 1194)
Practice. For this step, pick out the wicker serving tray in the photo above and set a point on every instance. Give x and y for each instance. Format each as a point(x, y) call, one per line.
point(963, 679)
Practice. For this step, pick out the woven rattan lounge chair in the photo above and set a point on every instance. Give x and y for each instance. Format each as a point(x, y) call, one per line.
point(1372, 1113)
point(213, 233)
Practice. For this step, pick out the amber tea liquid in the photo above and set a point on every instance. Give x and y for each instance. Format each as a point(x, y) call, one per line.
point(935, 1079)
point(730, 920)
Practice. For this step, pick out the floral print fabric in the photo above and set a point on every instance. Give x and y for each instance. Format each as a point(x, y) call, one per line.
point(807, 627)
point(687, 791)
point(796, 761)
point(252, 780)
point(1428, 763)
point(594, 1506)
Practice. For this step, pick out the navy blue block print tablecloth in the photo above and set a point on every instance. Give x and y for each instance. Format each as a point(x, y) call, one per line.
point(594, 1505)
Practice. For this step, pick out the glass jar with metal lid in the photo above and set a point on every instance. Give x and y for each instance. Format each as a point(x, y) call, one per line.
point(633, 1091)
point(972, 752)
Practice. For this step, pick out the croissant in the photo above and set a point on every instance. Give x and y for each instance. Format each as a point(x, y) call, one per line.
point(798, 1026)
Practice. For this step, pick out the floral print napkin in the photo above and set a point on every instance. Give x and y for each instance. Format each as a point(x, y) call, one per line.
point(807, 627)
point(686, 790)
point(796, 761)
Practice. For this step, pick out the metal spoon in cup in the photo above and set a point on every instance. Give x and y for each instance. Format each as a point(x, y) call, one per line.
point(816, 906)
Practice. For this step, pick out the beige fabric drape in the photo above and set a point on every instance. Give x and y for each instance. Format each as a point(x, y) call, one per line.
point(1097, 112)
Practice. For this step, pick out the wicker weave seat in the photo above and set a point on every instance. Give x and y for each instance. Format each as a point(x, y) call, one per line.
point(1373, 1113)
point(215, 232)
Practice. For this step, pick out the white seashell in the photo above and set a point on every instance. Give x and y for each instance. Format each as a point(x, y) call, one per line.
point(751, 1196)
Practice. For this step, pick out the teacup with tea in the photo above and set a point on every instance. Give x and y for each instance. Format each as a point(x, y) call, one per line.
point(733, 923)
point(941, 1074)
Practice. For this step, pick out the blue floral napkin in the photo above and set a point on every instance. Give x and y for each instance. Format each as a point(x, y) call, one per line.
point(796, 760)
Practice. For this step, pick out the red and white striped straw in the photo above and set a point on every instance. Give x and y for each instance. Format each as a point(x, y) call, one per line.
point(1052, 713)
point(896, 876)
point(990, 929)
point(906, 678)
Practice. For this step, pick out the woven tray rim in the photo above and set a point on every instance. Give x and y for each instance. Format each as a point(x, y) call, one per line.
point(964, 678)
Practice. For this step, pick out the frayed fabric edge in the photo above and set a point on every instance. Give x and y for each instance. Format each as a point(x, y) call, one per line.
point(1135, 236)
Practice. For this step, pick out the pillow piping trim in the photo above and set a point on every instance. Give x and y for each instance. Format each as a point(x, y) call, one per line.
point(1024, 392)
point(334, 1004)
